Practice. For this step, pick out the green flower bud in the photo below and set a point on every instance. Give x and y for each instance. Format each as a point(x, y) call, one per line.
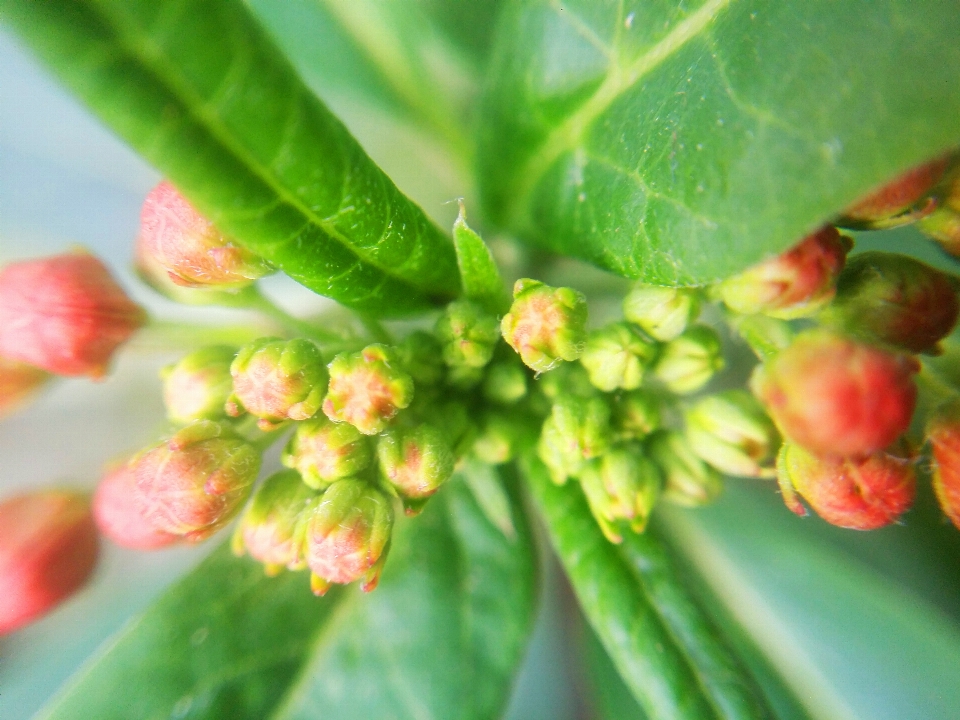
point(347, 534)
point(689, 481)
point(271, 526)
point(277, 380)
point(616, 356)
point(415, 461)
point(505, 383)
point(568, 379)
point(731, 431)
point(662, 312)
point(420, 354)
point(367, 389)
point(197, 387)
point(688, 362)
point(577, 430)
point(468, 333)
point(621, 486)
point(636, 414)
point(464, 377)
point(498, 437)
point(324, 451)
point(545, 325)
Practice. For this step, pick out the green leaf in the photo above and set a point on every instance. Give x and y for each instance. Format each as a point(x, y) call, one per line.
point(672, 658)
point(680, 142)
point(488, 491)
point(478, 270)
point(611, 696)
point(440, 638)
point(197, 87)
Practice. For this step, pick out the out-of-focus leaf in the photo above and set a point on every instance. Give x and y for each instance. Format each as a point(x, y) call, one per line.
point(611, 697)
point(201, 92)
point(680, 142)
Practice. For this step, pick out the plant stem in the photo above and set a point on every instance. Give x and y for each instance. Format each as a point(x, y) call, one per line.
point(294, 325)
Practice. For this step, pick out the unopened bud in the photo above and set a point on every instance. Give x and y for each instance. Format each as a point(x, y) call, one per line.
point(367, 389)
point(943, 225)
point(191, 250)
point(568, 379)
point(195, 482)
point(505, 383)
point(577, 430)
point(689, 481)
point(662, 312)
point(497, 440)
point(796, 283)
point(324, 451)
point(415, 461)
point(731, 431)
point(636, 414)
point(894, 300)
point(277, 380)
point(347, 533)
point(616, 356)
point(421, 355)
point(468, 333)
point(896, 198)
point(835, 396)
point(943, 432)
point(690, 361)
point(118, 515)
point(271, 528)
point(857, 493)
point(545, 325)
point(623, 485)
point(64, 314)
point(48, 549)
point(18, 381)
point(198, 386)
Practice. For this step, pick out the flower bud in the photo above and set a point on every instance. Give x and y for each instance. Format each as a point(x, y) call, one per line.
point(64, 314)
point(195, 482)
point(688, 362)
point(277, 380)
point(689, 481)
point(636, 414)
point(731, 431)
point(189, 247)
point(324, 451)
point(367, 389)
point(895, 198)
point(545, 325)
point(577, 430)
point(415, 461)
point(616, 356)
point(18, 381)
point(622, 485)
point(421, 355)
point(347, 534)
point(857, 493)
point(943, 225)
point(837, 397)
point(568, 379)
point(943, 432)
point(662, 312)
point(271, 528)
point(468, 333)
point(48, 548)
point(118, 515)
point(505, 382)
point(198, 386)
point(796, 283)
point(497, 441)
point(894, 300)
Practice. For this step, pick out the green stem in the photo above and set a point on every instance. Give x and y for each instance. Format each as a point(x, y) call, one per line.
point(376, 329)
point(169, 335)
point(261, 303)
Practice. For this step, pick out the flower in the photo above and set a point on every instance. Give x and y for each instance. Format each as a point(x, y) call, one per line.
point(367, 389)
point(545, 325)
point(324, 451)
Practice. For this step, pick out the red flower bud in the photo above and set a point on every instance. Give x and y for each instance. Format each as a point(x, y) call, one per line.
point(943, 431)
point(857, 493)
point(838, 397)
point(65, 314)
point(48, 548)
point(18, 381)
point(118, 514)
point(189, 247)
point(896, 197)
point(195, 482)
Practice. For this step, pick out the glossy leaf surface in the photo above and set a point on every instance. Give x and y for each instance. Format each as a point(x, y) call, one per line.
point(680, 142)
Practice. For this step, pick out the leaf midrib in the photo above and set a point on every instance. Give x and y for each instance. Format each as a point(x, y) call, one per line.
point(617, 81)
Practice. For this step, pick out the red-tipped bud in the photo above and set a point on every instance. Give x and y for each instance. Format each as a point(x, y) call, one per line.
point(894, 300)
point(197, 387)
point(623, 485)
point(18, 381)
point(794, 284)
point(837, 397)
point(943, 432)
point(545, 325)
point(189, 247)
point(65, 314)
point(324, 451)
point(277, 380)
point(367, 389)
point(347, 535)
point(415, 461)
point(118, 515)
point(856, 493)
point(48, 548)
point(900, 197)
point(943, 225)
point(195, 482)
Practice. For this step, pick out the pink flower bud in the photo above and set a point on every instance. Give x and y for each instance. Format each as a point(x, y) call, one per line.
point(118, 515)
point(64, 314)
point(189, 247)
point(545, 325)
point(367, 389)
point(896, 197)
point(837, 397)
point(857, 493)
point(794, 284)
point(943, 431)
point(18, 381)
point(324, 451)
point(48, 548)
point(195, 482)
point(199, 385)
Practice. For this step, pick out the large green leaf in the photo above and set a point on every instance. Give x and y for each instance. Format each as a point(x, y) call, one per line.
point(197, 87)
point(680, 142)
point(440, 638)
point(671, 657)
